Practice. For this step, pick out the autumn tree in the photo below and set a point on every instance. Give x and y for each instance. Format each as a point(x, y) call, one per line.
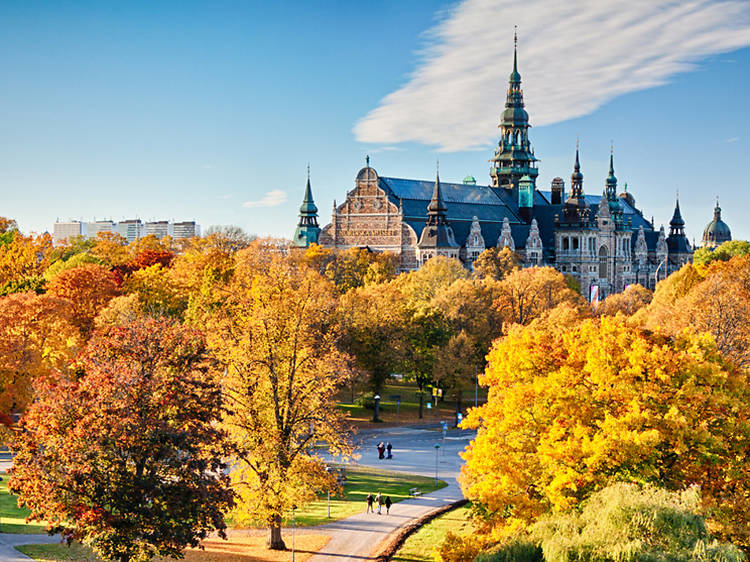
point(36, 338)
point(573, 406)
point(350, 268)
point(125, 455)
point(23, 260)
point(496, 263)
point(526, 294)
point(157, 290)
point(374, 323)
point(714, 299)
point(277, 336)
point(88, 288)
point(631, 300)
point(111, 248)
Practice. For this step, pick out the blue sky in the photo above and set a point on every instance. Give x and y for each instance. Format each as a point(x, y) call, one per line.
point(189, 110)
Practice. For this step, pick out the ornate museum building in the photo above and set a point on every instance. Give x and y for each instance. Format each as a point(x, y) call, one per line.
point(604, 241)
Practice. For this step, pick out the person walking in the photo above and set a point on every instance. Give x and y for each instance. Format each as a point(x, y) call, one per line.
point(388, 447)
point(370, 499)
point(388, 504)
point(379, 501)
point(381, 450)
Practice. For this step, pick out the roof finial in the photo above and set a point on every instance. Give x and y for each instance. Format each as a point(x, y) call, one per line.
point(308, 171)
point(367, 160)
point(437, 165)
point(515, 52)
point(515, 36)
point(578, 143)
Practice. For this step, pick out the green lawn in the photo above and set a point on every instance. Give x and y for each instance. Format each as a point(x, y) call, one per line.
point(13, 518)
point(58, 552)
point(360, 481)
point(419, 546)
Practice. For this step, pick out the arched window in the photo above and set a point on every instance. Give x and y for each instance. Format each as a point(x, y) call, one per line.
point(565, 243)
point(575, 243)
point(603, 262)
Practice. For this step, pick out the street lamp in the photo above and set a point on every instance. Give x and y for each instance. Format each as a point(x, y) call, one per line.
point(437, 448)
point(656, 273)
point(328, 471)
point(375, 417)
point(293, 508)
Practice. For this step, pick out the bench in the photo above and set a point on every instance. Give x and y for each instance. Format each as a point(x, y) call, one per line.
point(414, 492)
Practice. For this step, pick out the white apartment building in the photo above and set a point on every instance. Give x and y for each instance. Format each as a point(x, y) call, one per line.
point(131, 229)
point(94, 228)
point(186, 229)
point(67, 229)
point(160, 229)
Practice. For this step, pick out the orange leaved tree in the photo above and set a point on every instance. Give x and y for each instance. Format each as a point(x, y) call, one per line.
point(125, 454)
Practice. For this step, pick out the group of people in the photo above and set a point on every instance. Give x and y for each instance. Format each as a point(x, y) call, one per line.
point(380, 501)
point(382, 448)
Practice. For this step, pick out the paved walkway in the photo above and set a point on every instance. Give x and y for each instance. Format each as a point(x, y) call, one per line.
point(9, 541)
point(355, 538)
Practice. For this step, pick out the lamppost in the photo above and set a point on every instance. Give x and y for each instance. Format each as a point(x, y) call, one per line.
point(293, 508)
point(437, 448)
point(375, 417)
point(328, 471)
point(656, 273)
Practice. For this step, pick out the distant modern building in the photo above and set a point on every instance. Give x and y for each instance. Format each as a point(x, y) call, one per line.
point(131, 230)
point(94, 228)
point(160, 229)
point(186, 229)
point(717, 231)
point(67, 229)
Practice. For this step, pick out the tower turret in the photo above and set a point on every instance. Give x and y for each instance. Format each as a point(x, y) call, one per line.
point(514, 157)
point(677, 243)
point(615, 206)
point(437, 233)
point(307, 231)
point(717, 231)
point(575, 209)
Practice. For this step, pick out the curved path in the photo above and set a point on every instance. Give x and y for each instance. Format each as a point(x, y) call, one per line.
point(358, 536)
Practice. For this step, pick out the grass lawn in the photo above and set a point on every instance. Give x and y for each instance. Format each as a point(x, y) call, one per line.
point(408, 411)
point(360, 481)
point(13, 518)
point(418, 547)
point(244, 549)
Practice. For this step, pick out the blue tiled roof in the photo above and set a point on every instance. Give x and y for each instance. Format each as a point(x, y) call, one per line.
point(452, 192)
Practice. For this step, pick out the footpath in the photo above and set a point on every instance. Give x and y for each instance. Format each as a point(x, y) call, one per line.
point(358, 537)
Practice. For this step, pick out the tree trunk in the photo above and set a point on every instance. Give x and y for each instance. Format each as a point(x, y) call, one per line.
point(421, 403)
point(275, 542)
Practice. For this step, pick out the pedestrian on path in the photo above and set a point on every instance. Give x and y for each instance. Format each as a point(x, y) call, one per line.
point(381, 450)
point(370, 499)
point(379, 501)
point(388, 448)
point(388, 503)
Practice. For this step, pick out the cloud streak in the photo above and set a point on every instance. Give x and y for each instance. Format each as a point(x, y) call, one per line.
point(573, 56)
point(270, 199)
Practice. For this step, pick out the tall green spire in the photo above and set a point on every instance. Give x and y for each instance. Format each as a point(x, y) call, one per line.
point(307, 231)
point(514, 157)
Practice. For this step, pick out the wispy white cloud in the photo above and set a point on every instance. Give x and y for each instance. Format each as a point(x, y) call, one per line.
point(732, 139)
point(270, 199)
point(574, 56)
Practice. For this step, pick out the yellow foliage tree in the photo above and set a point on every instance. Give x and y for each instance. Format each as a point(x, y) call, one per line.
point(496, 263)
point(277, 336)
point(574, 406)
point(526, 294)
point(631, 300)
